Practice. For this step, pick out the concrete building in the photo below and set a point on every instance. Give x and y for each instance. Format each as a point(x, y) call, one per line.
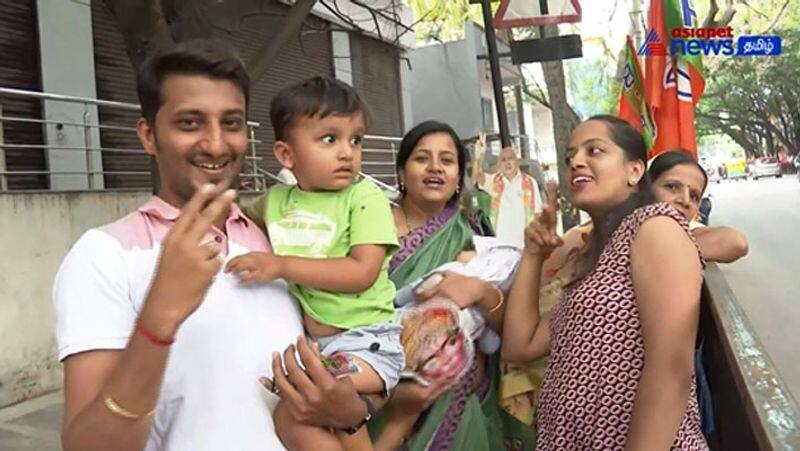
point(66, 166)
point(452, 82)
point(76, 48)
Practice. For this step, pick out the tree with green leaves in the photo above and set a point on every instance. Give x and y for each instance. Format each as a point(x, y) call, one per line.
point(442, 20)
point(756, 100)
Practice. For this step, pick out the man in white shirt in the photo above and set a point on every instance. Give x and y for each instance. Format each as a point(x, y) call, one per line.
point(161, 350)
point(514, 195)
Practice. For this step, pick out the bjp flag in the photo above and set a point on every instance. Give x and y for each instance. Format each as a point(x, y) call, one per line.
point(673, 83)
point(632, 107)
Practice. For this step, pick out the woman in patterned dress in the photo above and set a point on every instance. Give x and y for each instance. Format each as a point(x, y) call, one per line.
point(676, 178)
point(622, 338)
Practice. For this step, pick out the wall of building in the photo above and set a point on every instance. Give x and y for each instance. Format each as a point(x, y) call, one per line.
point(19, 69)
point(37, 231)
point(539, 123)
point(443, 85)
point(67, 64)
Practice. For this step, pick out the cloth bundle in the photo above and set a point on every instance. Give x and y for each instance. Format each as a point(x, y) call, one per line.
point(437, 336)
point(433, 341)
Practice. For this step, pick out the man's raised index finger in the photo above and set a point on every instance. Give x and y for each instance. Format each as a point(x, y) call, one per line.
point(192, 209)
point(216, 207)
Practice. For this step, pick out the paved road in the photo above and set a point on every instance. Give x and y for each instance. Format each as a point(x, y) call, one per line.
point(766, 282)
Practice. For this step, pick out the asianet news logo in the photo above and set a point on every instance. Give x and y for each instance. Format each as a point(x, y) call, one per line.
point(709, 42)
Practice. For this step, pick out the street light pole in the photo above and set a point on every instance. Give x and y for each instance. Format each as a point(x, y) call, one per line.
point(497, 80)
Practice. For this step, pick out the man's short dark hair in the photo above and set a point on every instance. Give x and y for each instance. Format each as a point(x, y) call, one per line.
point(317, 96)
point(209, 57)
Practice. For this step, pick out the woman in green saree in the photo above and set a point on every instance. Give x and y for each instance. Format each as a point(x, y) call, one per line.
point(449, 414)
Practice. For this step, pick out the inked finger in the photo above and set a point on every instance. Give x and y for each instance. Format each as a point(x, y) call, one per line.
point(211, 212)
point(192, 209)
point(211, 250)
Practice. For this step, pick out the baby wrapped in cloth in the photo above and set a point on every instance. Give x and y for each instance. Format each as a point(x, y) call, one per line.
point(437, 336)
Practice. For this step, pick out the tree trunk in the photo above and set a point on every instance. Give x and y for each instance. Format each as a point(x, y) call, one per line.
point(190, 19)
point(150, 25)
point(563, 123)
point(268, 53)
point(143, 27)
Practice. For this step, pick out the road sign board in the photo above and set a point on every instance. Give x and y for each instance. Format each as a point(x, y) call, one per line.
point(524, 13)
point(546, 49)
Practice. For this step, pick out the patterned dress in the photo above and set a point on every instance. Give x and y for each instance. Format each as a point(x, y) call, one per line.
point(597, 355)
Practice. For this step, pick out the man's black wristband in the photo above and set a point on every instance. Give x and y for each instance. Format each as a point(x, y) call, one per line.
point(370, 411)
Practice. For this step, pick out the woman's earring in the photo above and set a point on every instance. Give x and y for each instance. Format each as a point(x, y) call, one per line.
point(632, 182)
point(458, 189)
point(402, 188)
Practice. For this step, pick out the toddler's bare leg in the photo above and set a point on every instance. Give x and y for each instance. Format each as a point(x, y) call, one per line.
point(367, 381)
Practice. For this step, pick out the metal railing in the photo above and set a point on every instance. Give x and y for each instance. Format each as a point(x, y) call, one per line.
point(379, 151)
point(753, 407)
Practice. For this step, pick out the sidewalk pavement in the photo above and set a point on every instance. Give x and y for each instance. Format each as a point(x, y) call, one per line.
point(33, 425)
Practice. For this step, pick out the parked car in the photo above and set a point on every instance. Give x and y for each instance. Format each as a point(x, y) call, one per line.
point(797, 165)
point(767, 167)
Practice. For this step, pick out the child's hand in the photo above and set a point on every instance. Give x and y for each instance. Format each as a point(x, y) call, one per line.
point(256, 267)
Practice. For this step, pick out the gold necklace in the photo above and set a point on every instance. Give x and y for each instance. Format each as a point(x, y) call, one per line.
point(405, 218)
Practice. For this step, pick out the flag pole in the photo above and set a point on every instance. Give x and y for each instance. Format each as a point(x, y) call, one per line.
point(497, 80)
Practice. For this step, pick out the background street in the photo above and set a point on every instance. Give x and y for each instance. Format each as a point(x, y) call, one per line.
point(766, 280)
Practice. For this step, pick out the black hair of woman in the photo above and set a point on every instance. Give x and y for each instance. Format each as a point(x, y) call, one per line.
point(633, 145)
point(665, 161)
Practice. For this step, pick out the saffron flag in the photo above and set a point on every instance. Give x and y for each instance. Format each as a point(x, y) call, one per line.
point(632, 107)
point(673, 83)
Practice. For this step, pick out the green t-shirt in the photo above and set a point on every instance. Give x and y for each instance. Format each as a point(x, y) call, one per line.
point(328, 225)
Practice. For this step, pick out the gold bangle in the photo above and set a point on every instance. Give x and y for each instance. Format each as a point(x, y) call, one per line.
point(122, 412)
point(500, 302)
